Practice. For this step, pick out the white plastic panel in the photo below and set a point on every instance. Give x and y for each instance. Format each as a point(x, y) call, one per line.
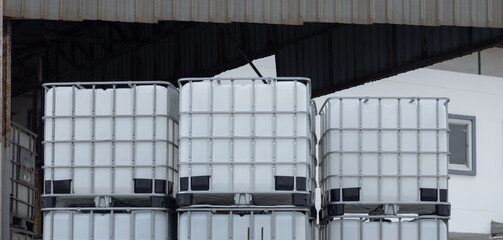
point(388, 147)
point(103, 137)
point(244, 226)
point(243, 133)
point(136, 224)
point(357, 229)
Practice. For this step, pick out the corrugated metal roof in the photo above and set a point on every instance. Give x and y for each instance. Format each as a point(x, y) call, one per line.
point(351, 54)
point(334, 56)
point(475, 13)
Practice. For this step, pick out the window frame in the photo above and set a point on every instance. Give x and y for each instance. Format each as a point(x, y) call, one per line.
point(471, 168)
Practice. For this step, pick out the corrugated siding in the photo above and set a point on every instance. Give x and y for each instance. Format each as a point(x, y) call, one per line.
point(334, 56)
point(350, 55)
point(475, 13)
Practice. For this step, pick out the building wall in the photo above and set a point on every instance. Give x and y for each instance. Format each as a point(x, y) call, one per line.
point(490, 63)
point(476, 200)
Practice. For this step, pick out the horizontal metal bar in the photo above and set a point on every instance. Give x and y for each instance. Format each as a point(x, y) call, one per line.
point(25, 148)
point(385, 152)
point(387, 129)
point(127, 209)
point(332, 176)
point(246, 137)
point(112, 141)
point(399, 216)
point(243, 163)
point(23, 202)
point(415, 203)
point(93, 195)
point(23, 129)
point(23, 183)
point(90, 117)
point(110, 166)
point(387, 176)
point(272, 192)
point(267, 79)
point(307, 113)
point(240, 208)
point(380, 98)
point(116, 83)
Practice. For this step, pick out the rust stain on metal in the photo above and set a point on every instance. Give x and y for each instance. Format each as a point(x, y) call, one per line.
point(6, 59)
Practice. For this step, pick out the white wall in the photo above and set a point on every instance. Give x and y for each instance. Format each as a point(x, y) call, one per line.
point(490, 59)
point(476, 200)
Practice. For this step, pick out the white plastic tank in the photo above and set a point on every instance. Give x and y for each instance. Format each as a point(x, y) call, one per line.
point(241, 135)
point(111, 138)
point(391, 228)
point(239, 224)
point(123, 224)
point(384, 149)
point(22, 199)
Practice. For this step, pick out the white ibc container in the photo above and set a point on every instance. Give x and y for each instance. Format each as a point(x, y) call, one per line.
point(239, 224)
point(392, 150)
point(111, 138)
point(22, 199)
point(241, 135)
point(391, 228)
point(123, 224)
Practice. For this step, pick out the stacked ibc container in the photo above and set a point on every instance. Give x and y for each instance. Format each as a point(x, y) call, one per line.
point(111, 158)
point(383, 168)
point(22, 188)
point(246, 159)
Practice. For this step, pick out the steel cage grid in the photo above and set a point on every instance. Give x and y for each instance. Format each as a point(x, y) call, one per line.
point(16, 178)
point(251, 211)
point(232, 112)
point(324, 143)
point(172, 125)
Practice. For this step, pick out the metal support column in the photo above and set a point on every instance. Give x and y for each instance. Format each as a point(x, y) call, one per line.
point(5, 109)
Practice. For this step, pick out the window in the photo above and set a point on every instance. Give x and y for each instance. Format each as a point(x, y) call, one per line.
point(462, 145)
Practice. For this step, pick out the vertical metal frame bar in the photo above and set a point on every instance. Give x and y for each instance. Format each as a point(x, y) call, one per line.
point(72, 228)
point(419, 148)
point(189, 188)
point(399, 149)
point(437, 147)
point(93, 139)
point(232, 122)
point(91, 225)
point(154, 141)
point(360, 147)
point(53, 138)
point(114, 129)
point(133, 137)
point(152, 225)
point(341, 149)
point(72, 132)
point(274, 83)
point(379, 157)
point(210, 136)
point(253, 135)
point(112, 225)
point(295, 99)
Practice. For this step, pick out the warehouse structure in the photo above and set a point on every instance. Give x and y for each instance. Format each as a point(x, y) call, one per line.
point(336, 43)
